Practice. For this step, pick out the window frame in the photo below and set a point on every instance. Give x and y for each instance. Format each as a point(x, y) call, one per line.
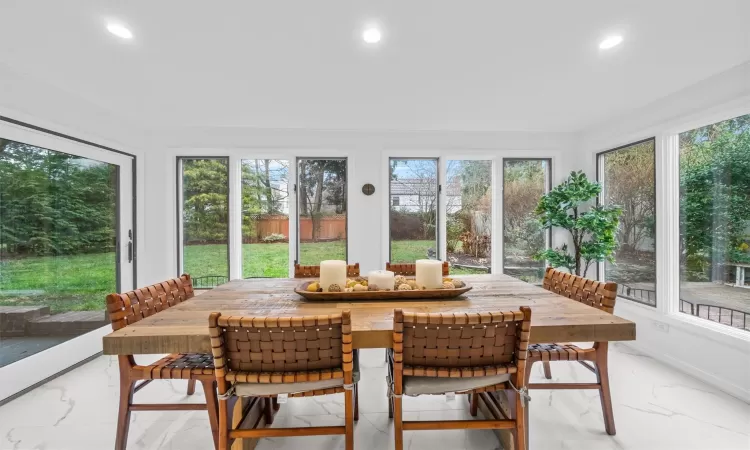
point(297, 243)
point(600, 272)
point(548, 188)
point(180, 212)
point(439, 206)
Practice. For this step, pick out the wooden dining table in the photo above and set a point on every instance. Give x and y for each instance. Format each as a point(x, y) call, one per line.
point(183, 328)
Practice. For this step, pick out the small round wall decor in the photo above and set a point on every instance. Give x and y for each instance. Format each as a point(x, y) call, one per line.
point(368, 189)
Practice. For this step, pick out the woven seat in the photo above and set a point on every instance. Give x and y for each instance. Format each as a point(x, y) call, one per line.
point(596, 294)
point(264, 357)
point(352, 270)
point(133, 306)
point(178, 366)
point(465, 353)
point(560, 352)
point(410, 269)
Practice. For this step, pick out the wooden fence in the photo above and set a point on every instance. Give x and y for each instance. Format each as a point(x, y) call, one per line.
point(330, 228)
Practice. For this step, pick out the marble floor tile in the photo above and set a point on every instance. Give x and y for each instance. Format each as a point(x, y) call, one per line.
point(656, 408)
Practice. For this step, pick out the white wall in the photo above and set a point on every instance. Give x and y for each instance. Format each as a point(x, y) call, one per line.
point(367, 154)
point(717, 354)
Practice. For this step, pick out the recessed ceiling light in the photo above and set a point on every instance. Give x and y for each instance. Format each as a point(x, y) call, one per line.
point(371, 35)
point(610, 41)
point(119, 31)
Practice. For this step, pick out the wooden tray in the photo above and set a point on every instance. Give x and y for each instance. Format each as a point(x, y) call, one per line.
point(424, 294)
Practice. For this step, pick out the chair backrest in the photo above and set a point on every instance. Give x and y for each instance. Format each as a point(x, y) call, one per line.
point(461, 344)
point(598, 294)
point(281, 349)
point(352, 270)
point(410, 269)
point(130, 307)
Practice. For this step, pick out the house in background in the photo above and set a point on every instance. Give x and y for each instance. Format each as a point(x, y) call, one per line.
point(414, 195)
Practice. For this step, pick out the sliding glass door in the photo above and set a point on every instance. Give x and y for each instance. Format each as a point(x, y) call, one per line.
point(66, 241)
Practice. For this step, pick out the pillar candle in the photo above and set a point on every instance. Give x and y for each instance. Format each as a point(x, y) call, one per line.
point(429, 273)
point(384, 279)
point(332, 272)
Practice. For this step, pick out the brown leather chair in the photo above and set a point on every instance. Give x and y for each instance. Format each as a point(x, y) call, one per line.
point(410, 269)
point(130, 307)
point(599, 295)
point(464, 353)
point(264, 357)
point(352, 270)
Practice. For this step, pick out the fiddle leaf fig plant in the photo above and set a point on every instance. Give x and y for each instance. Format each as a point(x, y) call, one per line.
point(593, 231)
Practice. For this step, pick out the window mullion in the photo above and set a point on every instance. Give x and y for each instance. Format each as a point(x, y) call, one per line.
point(668, 223)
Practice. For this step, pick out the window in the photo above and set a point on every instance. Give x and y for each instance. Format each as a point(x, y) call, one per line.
point(204, 200)
point(468, 198)
point(58, 253)
point(321, 209)
point(524, 182)
point(265, 218)
point(413, 221)
point(628, 179)
point(715, 222)
point(395, 201)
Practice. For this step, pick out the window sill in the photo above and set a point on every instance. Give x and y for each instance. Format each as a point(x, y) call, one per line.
point(723, 334)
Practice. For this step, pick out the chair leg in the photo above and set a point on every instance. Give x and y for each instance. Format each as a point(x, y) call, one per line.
point(390, 407)
point(398, 423)
point(547, 370)
point(474, 404)
point(224, 424)
point(276, 405)
point(349, 418)
point(191, 387)
point(602, 373)
point(356, 402)
point(127, 388)
point(209, 388)
point(520, 435)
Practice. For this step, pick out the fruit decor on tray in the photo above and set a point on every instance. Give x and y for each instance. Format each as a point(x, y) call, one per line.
point(381, 284)
point(362, 284)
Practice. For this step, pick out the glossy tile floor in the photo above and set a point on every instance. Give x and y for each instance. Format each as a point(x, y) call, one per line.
point(656, 408)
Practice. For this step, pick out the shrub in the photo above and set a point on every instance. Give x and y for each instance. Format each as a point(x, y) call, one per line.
point(274, 237)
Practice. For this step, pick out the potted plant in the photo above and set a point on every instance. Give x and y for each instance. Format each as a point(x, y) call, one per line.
point(593, 231)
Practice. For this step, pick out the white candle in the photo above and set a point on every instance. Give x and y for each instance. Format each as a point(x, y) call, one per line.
point(383, 279)
point(429, 274)
point(332, 272)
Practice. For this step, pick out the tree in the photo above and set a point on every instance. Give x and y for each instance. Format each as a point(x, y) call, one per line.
point(319, 180)
point(714, 197)
point(629, 176)
point(593, 231)
point(205, 206)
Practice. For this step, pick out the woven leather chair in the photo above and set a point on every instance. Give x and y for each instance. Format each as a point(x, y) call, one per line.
point(410, 269)
point(264, 357)
point(130, 307)
point(464, 353)
point(599, 295)
point(352, 270)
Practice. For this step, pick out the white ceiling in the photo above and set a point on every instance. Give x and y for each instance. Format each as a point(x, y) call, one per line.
point(442, 65)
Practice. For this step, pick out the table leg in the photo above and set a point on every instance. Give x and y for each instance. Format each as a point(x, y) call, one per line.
point(504, 436)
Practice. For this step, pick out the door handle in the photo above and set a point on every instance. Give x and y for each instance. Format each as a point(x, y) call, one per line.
point(130, 246)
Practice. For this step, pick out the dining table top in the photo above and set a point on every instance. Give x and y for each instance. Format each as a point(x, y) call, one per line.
point(183, 328)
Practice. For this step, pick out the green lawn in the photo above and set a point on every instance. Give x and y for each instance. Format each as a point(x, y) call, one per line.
point(65, 283)
point(258, 260)
point(81, 283)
